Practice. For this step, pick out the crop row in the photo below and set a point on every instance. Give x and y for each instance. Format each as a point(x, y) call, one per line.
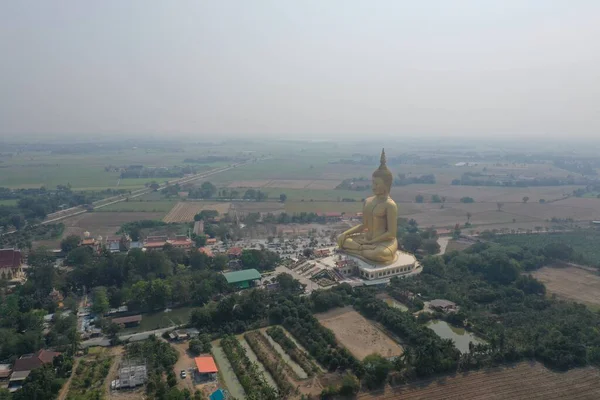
point(297, 355)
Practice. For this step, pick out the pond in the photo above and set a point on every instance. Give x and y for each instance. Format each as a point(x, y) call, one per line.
point(226, 372)
point(460, 336)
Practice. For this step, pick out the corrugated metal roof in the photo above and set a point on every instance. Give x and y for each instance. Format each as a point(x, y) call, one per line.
point(243, 275)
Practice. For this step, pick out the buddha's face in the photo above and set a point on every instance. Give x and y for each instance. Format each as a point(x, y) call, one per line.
point(379, 187)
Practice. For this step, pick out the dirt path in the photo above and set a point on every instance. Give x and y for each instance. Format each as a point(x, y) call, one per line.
point(184, 362)
point(117, 353)
point(65, 389)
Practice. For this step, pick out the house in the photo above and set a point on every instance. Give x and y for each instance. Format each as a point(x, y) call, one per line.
point(242, 279)
point(181, 242)
point(443, 305)
point(234, 252)
point(11, 262)
point(206, 369)
point(320, 253)
point(126, 322)
point(5, 372)
point(331, 216)
point(27, 363)
point(211, 241)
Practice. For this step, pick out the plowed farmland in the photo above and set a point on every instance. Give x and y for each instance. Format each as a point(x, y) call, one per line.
point(185, 211)
point(523, 381)
point(574, 283)
point(357, 334)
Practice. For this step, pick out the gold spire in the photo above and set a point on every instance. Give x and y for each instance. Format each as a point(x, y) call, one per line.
point(382, 160)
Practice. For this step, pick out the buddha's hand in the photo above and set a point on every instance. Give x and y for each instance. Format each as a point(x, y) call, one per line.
point(341, 239)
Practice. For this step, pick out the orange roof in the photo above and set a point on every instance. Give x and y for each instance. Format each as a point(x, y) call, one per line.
point(180, 242)
point(211, 240)
point(235, 251)
point(155, 244)
point(206, 251)
point(86, 242)
point(206, 365)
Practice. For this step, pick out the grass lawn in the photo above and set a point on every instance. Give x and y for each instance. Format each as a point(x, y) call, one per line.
point(161, 319)
point(88, 379)
point(315, 194)
point(9, 202)
point(140, 206)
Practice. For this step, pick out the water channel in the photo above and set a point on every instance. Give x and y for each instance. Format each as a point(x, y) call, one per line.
point(254, 359)
point(226, 372)
point(460, 336)
point(300, 373)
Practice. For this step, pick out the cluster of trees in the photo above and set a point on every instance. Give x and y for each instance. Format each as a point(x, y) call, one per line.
point(23, 238)
point(403, 180)
point(251, 379)
point(208, 191)
point(481, 179)
point(34, 204)
point(299, 357)
point(263, 350)
point(160, 358)
point(148, 280)
point(134, 229)
point(578, 246)
point(414, 240)
point(509, 309)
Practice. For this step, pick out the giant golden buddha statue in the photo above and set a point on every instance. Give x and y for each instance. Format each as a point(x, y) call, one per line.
point(375, 239)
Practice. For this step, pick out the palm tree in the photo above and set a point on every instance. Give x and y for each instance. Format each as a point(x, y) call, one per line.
point(500, 205)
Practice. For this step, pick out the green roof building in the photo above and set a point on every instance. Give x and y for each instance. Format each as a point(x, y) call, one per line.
point(242, 279)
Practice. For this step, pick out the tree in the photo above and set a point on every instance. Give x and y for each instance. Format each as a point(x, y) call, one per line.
point(525, 199)
point(499, 205)
point(69, 243)
point(154, 186)
point(350, 385)
point(376, 370)
point(100, 303)
point(431, 246)
point(200, 240)
point(412, 242)
point(469, 215)
point(207, 190)
point(419, 198)
point(542, 201)
point(436, 198)
point(282, 197)
point(205, 215)
point(467, 199)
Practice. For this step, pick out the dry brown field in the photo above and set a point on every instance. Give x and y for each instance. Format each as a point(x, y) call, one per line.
point(573, 283)
point(523, 381)
point(185, 211)
point(322, 206)
point(249, 184)
point(245, 207)
point(357, 334)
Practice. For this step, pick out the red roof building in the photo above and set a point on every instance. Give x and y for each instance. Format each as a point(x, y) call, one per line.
point(10, 263)
point(211, 241)
point(10, 258)
point(29, 362)
point(234, 252)
point(206, 365)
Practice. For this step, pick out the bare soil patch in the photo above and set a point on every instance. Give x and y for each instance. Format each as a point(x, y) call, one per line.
point(185, 211)
point(522, 381)
point(357, 334)
point(572, 283)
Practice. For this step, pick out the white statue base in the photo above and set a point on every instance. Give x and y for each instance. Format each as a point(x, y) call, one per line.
point(405, 264)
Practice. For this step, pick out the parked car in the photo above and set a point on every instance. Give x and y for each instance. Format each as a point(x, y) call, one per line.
point(183, 374)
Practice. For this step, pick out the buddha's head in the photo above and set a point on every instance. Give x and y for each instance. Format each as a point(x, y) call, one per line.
point(382, 178)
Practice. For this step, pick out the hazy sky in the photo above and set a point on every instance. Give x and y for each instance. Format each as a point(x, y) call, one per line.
point(319, 68)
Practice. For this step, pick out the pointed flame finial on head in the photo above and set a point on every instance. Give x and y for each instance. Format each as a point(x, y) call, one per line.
point(382, 159)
